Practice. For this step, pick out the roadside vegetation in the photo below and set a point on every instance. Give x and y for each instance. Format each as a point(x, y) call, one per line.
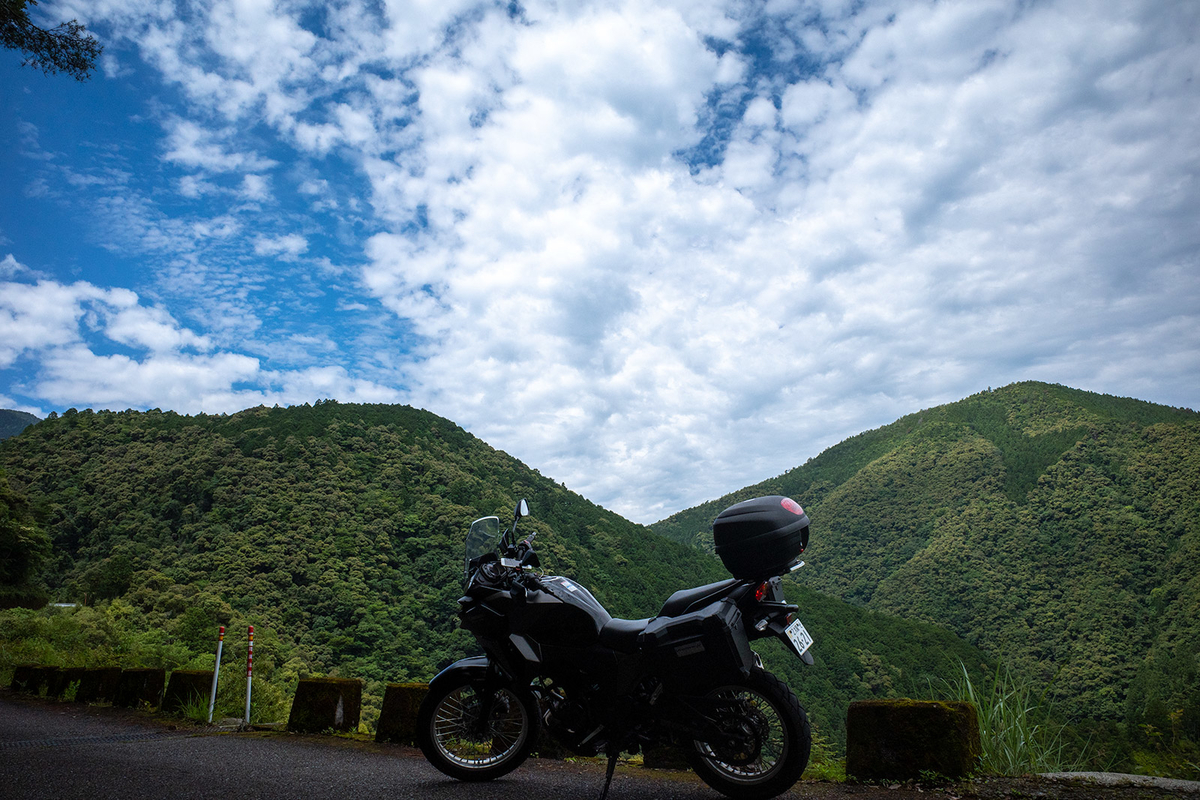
point(1057, 529)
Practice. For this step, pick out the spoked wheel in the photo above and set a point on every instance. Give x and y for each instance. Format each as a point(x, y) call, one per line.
point(456, 737)
point(765, 740)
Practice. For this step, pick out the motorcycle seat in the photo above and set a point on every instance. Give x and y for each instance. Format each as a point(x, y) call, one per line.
point(622, 634)
point(686, 600)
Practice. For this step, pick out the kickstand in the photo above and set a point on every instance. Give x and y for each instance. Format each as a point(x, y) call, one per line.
point(613, 752)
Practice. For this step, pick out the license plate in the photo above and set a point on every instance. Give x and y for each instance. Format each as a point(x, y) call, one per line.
point(799, 637)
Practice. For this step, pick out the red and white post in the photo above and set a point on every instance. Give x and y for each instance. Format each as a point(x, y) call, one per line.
point(212, 697)
point(249, 672)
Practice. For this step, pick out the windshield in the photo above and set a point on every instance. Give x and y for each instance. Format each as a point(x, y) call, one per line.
point(481, 539)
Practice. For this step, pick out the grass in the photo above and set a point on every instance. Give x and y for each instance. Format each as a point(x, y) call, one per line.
point(195, 709)
point(1017, 730)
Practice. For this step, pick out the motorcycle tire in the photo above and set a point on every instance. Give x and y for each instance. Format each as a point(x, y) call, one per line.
point(459, 744)
point(775, 735)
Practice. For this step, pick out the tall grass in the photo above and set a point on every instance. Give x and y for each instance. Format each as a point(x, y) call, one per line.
point(1016, 725)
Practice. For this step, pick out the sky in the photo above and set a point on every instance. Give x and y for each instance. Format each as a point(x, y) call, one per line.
point(656, 250)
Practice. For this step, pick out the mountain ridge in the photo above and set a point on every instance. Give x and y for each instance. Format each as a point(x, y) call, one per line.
point(337, 530)
point(13, 422)
point(1055, 528)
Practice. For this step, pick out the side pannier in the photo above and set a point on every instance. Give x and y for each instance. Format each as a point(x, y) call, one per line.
point(692, 649)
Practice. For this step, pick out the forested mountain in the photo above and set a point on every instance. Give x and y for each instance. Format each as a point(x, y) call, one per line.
point(1055, 528)
point(13, 422)
point(338, 531)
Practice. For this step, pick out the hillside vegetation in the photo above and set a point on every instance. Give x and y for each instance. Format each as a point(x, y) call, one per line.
point(337, 530)
point(13, 422)
point(1055, 528)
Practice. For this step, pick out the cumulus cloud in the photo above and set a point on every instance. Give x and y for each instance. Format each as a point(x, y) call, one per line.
point(47, 315)
point(662, 250)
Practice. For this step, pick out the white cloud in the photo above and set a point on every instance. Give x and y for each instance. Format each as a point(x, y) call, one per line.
point(34, 317)
point(152, 329)
point(191, 145)
point(181, 382)
point(255, 187)
point(44, 317)
point(285, 247)
point(10, 267)
point(660, 250)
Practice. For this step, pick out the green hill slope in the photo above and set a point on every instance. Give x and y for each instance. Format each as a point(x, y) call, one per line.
point(13, 422)
point(338, 530)
point(1056, 528)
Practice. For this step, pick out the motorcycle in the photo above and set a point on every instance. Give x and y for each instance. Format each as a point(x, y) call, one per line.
point(686, 677)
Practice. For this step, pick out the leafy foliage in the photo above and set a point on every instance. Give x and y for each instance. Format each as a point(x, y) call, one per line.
point(337, 530)
point(1055, 528)
point(63, 48)
point(24, 547)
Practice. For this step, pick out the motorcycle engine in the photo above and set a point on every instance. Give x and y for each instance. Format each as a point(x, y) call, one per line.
point(571, 724)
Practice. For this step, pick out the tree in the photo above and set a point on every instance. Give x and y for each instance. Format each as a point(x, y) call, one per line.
point(24, 547)
point(63, 48)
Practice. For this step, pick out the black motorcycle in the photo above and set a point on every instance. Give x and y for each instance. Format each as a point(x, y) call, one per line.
point(686, 677)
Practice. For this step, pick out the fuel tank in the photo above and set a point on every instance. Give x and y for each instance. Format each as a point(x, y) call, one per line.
point(561, 614)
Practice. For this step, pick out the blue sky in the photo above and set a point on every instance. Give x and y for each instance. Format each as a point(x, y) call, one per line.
point(657, 250)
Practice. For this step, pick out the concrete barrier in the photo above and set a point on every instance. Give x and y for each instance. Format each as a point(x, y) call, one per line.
point(323, 704)
point(398, 717)
point(897, 740)
point(187, 687)
point(42, 678)
point(60, 682)
point(24, 678)
point(139, 686)
point(98, 685)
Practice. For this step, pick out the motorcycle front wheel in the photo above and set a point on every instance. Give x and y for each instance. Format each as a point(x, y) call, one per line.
point(455, 738)
point(768, 741)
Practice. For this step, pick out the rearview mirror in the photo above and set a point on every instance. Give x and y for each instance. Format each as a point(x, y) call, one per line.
point(522, 510)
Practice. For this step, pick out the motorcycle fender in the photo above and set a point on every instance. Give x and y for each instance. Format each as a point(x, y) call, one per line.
point(806, 656)
point(476, 667)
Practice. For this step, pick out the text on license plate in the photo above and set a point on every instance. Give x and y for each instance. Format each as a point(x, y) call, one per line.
point(799, 637)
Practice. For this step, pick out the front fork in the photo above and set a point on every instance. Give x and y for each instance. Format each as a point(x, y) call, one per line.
point(493, 680)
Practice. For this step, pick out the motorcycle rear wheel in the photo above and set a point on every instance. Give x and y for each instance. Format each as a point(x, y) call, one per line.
point(455, 740)
point(777, 735)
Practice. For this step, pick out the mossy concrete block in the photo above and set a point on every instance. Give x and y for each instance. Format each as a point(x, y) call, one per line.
point(897, 740)
point(187, 687)
point(398, 717)
point(98, 685)
point(322, 704)
point(139, 686)
point(43, 678)
point(24, 678)
point(61, 681)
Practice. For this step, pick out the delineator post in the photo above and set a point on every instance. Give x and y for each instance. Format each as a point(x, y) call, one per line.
point(249, 672)
point(212, 698)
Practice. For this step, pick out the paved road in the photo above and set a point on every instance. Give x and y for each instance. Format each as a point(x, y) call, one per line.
point(63, 751)
point(59, 751)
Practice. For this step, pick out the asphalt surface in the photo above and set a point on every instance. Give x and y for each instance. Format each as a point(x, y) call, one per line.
point(64, 751)
point(1121, 779)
